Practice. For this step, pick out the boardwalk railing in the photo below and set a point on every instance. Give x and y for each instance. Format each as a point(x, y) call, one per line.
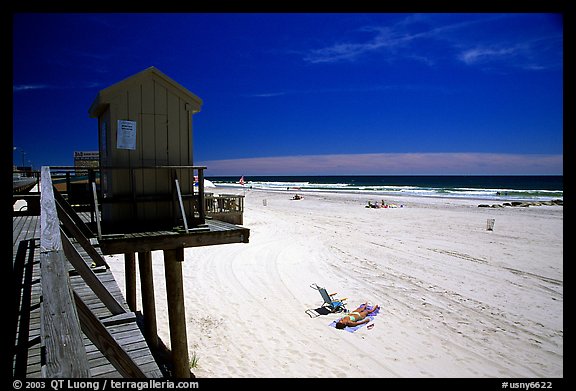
point(64, 315)
point(61, 333)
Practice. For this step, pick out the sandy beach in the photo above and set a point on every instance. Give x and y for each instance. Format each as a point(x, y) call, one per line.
point(456, 299)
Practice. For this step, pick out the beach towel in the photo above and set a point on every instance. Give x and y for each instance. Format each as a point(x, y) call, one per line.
point(356, 328)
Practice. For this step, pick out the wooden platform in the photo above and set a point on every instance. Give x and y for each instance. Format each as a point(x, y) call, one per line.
point(26, 327)
point(213, 232)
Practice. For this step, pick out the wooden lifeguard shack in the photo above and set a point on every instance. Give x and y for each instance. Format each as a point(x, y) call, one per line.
point(145, 143)
point(148, 199)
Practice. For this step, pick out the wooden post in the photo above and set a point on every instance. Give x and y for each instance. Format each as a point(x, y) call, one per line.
point(60, 333)
point(148, 304)
point(68, 182)
point(95, 211)
point(181, 204)
point(201, 212)
point(130, 272)
point(176, 313)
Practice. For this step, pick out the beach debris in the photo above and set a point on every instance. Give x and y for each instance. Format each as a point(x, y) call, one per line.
point(524, 204)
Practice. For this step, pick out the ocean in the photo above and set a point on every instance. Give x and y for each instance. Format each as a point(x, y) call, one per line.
point(528, 188)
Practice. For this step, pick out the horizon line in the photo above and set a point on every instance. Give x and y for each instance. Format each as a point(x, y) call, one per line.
point(425, 163)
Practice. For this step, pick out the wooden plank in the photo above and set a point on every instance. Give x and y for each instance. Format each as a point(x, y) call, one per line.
point(201, 210)
point(173, 128)
point(119, 319)
point(17, 226)
point(134, 104)
point(25, 298)
point(161, 136)
point(96, 210)
point(101, 367)
point(119, 180)
point(186, 143)
point(60, 328)
point(105, 342)
point(145, 179)
point(70, 224)
point(163, 242)
point(147, 119)
point(27, 227)
point(161, 125)
point(89, 277)
point(138, 352)
point(182, 211)
point(92, 300)
point(219, 233)
point(80, 224)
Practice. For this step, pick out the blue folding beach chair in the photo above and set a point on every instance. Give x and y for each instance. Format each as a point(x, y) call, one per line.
point(332, 304)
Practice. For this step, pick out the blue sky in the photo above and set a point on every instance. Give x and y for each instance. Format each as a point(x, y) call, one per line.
point(290, 94)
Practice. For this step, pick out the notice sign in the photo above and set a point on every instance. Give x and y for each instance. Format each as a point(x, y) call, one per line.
point(126, 135)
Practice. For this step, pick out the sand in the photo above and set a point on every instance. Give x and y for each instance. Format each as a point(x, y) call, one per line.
point(456, 300)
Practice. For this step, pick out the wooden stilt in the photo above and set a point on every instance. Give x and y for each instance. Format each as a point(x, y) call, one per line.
point(148, 304)
point(176, 312)
point(130, 272)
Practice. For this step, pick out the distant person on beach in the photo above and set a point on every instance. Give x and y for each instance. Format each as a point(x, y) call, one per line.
point(356, 317)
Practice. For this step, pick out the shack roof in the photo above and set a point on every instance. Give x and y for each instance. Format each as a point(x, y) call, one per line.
point(104, 96)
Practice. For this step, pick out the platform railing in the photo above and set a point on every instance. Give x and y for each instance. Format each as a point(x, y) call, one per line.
point(177, 190)
point(225, 207)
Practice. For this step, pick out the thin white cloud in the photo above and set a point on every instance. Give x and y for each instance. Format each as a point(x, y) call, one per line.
point(395, 36)
point(31, 87)
point(384, 38)
point(397, 42)
point(350, 89)
point(536, 54)
point(267, 94)
point(484, 54)
point(465, 163)
point(28, 87)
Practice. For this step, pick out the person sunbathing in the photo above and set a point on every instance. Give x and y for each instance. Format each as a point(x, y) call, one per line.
point(356, 317)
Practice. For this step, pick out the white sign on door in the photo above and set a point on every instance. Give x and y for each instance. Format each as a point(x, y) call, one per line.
point(126, 135)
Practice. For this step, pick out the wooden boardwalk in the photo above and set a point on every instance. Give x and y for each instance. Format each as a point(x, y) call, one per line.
point(71, 317)
point(27, 361)
point(26, 324)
